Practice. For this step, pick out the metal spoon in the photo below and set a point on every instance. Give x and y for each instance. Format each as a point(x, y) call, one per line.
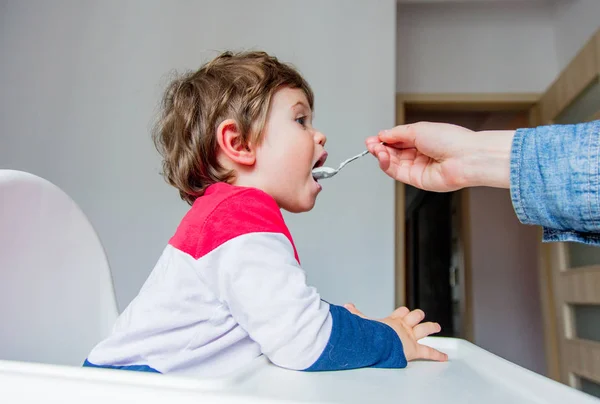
point(328, 172)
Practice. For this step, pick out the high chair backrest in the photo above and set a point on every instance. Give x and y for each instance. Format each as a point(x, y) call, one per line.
point(56, 293)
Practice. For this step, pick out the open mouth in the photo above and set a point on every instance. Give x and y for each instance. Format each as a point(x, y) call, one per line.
point(320, 162)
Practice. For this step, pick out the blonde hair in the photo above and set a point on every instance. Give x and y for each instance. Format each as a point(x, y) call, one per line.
point(233, 85)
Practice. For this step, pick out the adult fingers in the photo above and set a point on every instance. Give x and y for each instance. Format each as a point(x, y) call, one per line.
point(405, 134)
point(383, 156)
point(371, 141)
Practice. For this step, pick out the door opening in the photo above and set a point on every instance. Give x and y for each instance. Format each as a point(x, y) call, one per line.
point(437, 237)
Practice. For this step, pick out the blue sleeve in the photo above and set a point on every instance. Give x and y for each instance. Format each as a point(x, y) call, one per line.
point(554, 180)
point(356, 342)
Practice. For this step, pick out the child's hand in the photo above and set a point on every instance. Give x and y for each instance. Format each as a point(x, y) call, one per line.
point(407, 325)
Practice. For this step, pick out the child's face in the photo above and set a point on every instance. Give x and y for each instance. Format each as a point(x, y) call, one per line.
point(289, 151)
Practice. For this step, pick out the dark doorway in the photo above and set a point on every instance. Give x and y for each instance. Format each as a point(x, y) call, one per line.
point(428, 235)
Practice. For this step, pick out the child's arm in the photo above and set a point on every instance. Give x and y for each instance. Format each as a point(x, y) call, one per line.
point(265, 289)
point(267, 294)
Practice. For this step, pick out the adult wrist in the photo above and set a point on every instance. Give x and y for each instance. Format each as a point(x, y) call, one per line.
point(487, 160)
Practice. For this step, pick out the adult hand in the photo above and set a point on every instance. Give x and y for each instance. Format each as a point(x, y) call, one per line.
point(442, 157)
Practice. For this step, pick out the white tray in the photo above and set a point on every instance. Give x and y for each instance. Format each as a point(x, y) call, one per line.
point(472, 375)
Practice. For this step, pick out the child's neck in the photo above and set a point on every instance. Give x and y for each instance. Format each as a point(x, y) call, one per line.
point(249, 181)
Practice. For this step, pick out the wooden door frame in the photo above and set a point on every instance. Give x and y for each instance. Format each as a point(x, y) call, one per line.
point(565, 92)
point(463, 102)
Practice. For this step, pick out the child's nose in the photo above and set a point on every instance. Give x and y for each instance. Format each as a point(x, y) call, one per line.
point(320, 138)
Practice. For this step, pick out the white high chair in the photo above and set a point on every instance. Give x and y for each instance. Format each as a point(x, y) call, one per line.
point(57, 302)
point(56, 293)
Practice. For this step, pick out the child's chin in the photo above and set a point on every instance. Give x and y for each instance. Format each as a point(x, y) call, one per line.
point(301, 206)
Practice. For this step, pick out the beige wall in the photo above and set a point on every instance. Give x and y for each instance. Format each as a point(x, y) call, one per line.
point(507, 318)
point(575, 21)
point(474, 47)
point(81, 81)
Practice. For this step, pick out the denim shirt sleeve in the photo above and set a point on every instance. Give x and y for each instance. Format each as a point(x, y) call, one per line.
point(554, 180)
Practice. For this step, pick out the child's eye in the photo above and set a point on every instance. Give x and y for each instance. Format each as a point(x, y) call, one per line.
point(301, 121)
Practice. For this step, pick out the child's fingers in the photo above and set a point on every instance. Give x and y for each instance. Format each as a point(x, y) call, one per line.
point(352, 309)
point(414, 317)
point(425, 329)
point(400, 312)
point(428, 353)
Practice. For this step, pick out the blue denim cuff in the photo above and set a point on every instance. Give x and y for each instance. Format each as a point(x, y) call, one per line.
point(551, 235)
point(554, 180)
point(515, 176)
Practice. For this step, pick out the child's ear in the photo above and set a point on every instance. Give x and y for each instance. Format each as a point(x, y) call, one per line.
point(232, 143)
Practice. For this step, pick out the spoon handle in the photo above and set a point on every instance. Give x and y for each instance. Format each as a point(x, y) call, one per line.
point(352, 159)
